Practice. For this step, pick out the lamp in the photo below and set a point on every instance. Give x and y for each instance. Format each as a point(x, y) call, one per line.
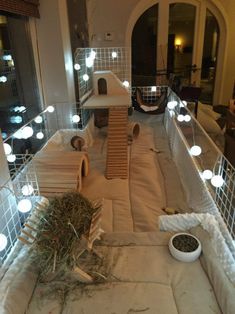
point(178, 44)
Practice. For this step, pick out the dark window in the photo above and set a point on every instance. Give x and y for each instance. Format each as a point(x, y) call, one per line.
point(19, 98)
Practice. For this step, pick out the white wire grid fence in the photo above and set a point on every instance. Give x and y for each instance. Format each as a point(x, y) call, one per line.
point(22, 186)
point(89, 60)
point(23, 178)
point(202, 195)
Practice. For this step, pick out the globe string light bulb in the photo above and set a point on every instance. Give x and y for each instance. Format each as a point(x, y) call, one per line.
point(18, 134)
point(7, 149)
point(22, 108)
point(77, 66)
point(187, 118)
point(4, 135)
point(153, 88)
point(11, 158)
point(3, 242)
point(217, 181)
point(85, 77)
point(180, 118)
point(3, 79)
point(195, 150)
point(75, 118)
point(89, 62)
point(24, 206)
point(50, 109)
point(114, 54)
point(16, 119)
point(27, 189)
point(126, 84)
point(93, 54)
point(172, 104)
point(207, 174)
point(27, 132)
point(7, 57)
point(38, 119)
point(39, 135)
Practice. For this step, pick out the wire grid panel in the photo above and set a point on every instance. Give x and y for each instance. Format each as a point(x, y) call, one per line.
point(10, 223)
point(150, 93)
point(23, 186)
point(225, 195)
point(84, 73)
point(115, 59)
point(203, 196)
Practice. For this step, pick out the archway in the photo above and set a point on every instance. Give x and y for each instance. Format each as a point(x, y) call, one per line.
point(215, 8)
point(144, 48)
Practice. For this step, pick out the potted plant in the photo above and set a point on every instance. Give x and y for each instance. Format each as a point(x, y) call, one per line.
point(185, 247)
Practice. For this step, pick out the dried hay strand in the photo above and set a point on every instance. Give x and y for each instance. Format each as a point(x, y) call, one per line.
point(61, 227)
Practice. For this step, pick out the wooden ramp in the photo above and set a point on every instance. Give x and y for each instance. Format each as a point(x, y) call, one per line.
point(117, 148)
point(59, 172)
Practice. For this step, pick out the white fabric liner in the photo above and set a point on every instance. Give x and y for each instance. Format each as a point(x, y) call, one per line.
point(211, 225)
point(150, 279)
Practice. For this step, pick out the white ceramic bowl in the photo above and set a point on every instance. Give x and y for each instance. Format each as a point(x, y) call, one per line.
point(184, 256)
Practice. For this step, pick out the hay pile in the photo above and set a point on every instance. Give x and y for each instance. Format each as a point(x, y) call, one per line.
point(59, 233)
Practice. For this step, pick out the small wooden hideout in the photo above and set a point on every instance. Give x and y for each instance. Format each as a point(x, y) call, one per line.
point(60, 171)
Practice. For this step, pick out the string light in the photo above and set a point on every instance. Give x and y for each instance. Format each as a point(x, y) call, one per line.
point(217, 181)
point(18, 134)
point(85, 77)
point(27, 189)
point(50, 109)
point(180, 118)
point(92, 54)
point(38, 119)
point(77, 66)
point(7, 57)
point(4, 135)
point(40, 135)
point(24, 206)
point(153, 89)
point(172, 104)
point(3, 242)
point(7, 148)
point(11, 158)
point(126, 84)
point(75, 118)
point(3, 79)
point(114, 54)
point(27, 132)
point(187, 118)
point(195, 150)
point(207, 174)
point(89, 62)
point(16, 119)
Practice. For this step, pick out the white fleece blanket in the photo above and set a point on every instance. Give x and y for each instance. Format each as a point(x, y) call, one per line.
point(146, 278)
